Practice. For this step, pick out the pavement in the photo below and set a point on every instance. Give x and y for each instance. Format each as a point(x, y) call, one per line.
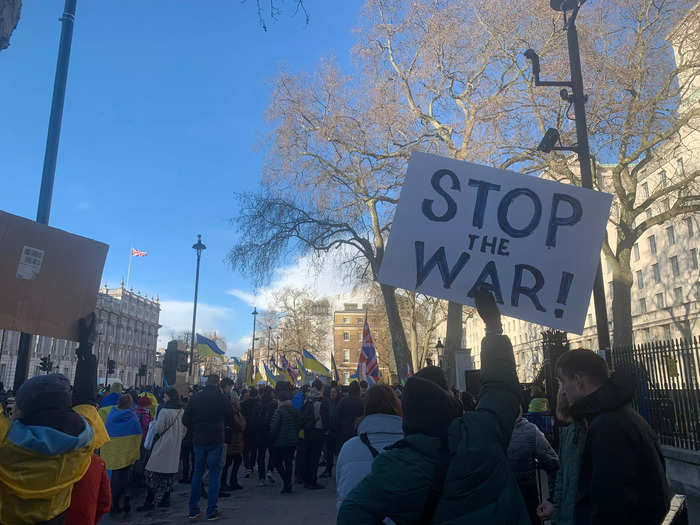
point(251, 506)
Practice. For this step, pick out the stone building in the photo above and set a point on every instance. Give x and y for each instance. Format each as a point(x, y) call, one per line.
point(348, 325)
point(127, 333)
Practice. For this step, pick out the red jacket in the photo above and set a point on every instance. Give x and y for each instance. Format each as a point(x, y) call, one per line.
point(91, 497)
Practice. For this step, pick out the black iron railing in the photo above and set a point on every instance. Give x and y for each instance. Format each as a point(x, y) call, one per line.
point(668, 393)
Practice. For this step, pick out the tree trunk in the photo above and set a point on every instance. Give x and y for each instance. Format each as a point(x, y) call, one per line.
point(622, 299)
point(398, 336)
point(453, 341)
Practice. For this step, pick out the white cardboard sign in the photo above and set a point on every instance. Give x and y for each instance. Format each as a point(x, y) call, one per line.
point(534, 243)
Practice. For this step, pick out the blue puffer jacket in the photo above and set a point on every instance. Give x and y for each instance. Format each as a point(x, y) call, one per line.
point(355, 459)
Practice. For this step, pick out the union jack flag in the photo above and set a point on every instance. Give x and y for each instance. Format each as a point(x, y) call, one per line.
point(368, 366)
point(137, 253)
point(286, 366)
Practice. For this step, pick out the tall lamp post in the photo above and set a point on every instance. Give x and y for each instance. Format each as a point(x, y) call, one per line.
point(251, 357)
point(198, 247)
point(578, 99)
point(440, 352)
point(50, 155)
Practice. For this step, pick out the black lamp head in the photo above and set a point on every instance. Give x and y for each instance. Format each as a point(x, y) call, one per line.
point(565, 5)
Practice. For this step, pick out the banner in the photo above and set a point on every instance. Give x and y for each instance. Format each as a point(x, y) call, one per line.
point(534, 243)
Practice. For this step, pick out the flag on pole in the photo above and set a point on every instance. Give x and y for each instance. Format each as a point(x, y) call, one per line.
point(138, 253)
point(208, 347)
point(237, 365)
point(368, 366)
point(270, 376)
point(314, 365)
point(288, 370)
point(302, 371)
point(258, 376)
point(335, 368)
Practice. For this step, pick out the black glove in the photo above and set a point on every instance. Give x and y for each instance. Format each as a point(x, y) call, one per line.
point(488, 311)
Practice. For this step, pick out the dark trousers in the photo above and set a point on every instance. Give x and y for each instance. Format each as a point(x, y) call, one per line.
point(250, 452)
point(313, 445)
point(120, 485)
point(330, 451)
point(187, 458)
point(234, 461)
point(284, 457)
point(261, 453)
point(532, 500)
point(299, 462)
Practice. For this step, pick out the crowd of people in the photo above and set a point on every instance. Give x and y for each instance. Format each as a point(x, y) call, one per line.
point(417, 453)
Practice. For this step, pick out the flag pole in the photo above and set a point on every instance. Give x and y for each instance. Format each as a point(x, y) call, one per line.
point(128, 273)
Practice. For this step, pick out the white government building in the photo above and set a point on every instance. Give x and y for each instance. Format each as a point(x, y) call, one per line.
point(127, 333)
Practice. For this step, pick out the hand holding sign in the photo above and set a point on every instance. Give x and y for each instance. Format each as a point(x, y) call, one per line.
point(533, 243)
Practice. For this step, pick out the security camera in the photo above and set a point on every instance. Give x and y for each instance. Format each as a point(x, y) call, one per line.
point(532, 56)
point(550, 139)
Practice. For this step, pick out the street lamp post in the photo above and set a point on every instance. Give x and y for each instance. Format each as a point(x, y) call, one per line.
point(251, 357)
point(198, 247)
point(440, 352)
point(577, 98)
point(50, 156)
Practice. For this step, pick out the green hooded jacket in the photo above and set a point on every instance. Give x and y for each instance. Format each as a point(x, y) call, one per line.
point(479, 486)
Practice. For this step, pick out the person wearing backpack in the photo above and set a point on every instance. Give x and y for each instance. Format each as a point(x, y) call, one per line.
point(450, 469)
point(314, 418)
point(284, 431)
point(380, 428)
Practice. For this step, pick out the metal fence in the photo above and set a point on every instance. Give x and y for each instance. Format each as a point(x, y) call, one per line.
point(668, 393)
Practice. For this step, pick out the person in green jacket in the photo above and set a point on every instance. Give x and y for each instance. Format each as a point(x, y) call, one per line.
point(450, 470)
point(284, 432)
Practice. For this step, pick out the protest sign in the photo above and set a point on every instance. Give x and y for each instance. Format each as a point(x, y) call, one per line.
point(50, 278)
point(534, 243)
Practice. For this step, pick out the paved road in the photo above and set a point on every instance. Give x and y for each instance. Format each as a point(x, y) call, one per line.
point(251, 506)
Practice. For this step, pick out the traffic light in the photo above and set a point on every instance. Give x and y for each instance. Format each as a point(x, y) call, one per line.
point(46, 365)
point(111, 366)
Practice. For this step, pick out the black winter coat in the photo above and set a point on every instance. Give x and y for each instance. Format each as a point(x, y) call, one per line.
point(349, 409)
point(206, 415)
point(622, 476)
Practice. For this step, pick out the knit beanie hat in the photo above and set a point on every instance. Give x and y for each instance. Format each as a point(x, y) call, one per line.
point(427, 408)
point(47, 392)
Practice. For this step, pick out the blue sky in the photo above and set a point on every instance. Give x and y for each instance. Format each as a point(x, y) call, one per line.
point(165, 104)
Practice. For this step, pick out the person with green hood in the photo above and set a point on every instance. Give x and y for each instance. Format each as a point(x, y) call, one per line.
point(449, 469)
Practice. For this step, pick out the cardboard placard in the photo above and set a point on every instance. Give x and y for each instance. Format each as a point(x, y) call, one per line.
point(534, 243)
point(49, 278)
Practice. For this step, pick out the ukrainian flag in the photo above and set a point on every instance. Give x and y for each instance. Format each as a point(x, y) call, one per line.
point(270, 376)
point(124, 445)
point(237, 365)
point(314, 365)
point(208, 348)
point(302, 372)
point(258, 376)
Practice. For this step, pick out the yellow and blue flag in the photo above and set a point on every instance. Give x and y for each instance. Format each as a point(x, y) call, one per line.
point(124, 445)
point(302, 372)
point(208, 348)
point(237, 365)
point(314, 365)
point(270, 376)
point(258, 376)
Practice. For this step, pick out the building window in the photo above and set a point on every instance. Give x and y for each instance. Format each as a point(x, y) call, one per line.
point(640, 279)
point(346, 378)
point(635, 248)
point(659, 300)
point(657, 273)
point(346, 320)
point(652, 243)
point(689, 225)
point(665, 204)
point(611, 289)
point(667, 331)
point(648, 212)
point(671, 235)
point(674, 266)
point(662, 176)
point(346, 356)
point(642, 306)
point(645, 190)
point(677, 295)
point(694, 258)
point(346, 336)
point(681, 168)
point(646, 335)
point(590, 320)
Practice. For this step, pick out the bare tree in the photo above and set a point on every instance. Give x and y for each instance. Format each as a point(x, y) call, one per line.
point(9, 17)
point(304, 322)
